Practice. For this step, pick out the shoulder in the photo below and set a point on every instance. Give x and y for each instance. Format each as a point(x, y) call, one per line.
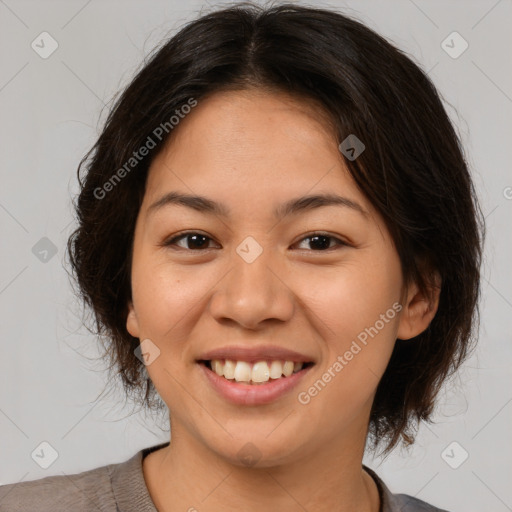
point(108, 488)
point(400, 502)
point(406, 503)
point(89, 490)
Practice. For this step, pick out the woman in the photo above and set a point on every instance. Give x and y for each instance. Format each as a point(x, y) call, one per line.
point(278, 234)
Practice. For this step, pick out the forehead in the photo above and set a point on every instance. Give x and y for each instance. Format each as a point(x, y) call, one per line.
point(242, 120)
point(252, 145)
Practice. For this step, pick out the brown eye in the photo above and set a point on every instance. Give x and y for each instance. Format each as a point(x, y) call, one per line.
point(322, 242)
point(193, 241)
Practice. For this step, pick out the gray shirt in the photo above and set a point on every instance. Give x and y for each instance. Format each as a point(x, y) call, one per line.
point(121, 488)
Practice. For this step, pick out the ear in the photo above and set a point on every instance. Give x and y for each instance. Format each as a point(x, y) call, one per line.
point(419, 309)
point(132, 324)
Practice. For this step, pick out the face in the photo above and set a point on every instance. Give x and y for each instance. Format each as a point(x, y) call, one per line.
point(322, 280)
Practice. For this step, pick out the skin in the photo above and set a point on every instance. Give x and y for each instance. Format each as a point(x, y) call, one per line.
point(251, 151)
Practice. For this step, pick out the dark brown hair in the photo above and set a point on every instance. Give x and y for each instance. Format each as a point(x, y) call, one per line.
point(413, 171)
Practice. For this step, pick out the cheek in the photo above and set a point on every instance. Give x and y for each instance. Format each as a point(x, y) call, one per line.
point(359, 311)
point(168, 299)
point(168, 303)
point(362, 323)
point(352, 297)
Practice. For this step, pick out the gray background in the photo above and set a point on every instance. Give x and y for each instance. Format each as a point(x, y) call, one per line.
point(50, 114)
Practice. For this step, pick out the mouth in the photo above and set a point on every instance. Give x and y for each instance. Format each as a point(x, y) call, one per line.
point(255, 373)
point(255, 383)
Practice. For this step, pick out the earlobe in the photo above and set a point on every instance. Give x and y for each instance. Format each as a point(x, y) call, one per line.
point(132, 324)
point(419, 309)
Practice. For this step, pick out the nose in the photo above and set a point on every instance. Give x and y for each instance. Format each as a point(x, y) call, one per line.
point(253, 293)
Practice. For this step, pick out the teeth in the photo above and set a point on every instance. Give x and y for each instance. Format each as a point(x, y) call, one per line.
point(276, 369)
point(229, 369)
point(256, 373)
point(287, 368)
point(242, 371)
point(218, 368)
point(260, 372)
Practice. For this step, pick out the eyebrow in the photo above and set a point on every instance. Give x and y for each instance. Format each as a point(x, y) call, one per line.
point(293, 206)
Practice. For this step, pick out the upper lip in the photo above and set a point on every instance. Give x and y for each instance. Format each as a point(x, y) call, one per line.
point(253, 354)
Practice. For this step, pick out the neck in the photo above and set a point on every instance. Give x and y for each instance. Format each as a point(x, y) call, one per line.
point(187, 475)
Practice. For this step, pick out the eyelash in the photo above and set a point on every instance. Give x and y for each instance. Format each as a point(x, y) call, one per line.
point(172, 241)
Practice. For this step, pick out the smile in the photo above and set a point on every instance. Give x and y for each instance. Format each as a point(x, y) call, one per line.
point(256, 373)
point(257, 383)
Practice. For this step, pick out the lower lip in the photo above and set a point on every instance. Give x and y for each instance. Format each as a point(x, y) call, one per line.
point(253, 394)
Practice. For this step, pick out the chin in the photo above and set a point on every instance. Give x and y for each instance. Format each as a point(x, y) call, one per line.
point(260, 452)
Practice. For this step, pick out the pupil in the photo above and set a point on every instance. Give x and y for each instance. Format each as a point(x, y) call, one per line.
point(199, 240)
point(324, 245)
point(196, 243)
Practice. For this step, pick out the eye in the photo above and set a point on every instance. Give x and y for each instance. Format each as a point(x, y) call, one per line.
point(197, 241)
point(194, 241)
point(322, 241)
